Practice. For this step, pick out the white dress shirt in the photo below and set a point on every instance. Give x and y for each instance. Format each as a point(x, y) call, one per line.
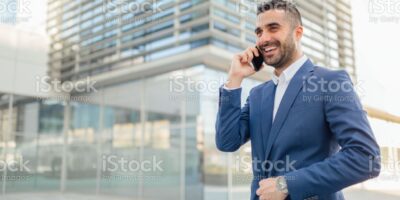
point(282, 81)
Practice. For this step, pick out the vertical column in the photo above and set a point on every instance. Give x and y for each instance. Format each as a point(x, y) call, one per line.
point(65, 145)
point(183, 146)
point(119, 33)
point(326, 34)
point(99, 144)
point(6, 134)
point(76, 46)
point(243, 16)
point(143, 129)
point(176, 21)
point(230, 180)
point(211, 16)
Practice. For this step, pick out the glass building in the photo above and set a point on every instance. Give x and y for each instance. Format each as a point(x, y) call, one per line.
point(90, 38)
point(156, 68)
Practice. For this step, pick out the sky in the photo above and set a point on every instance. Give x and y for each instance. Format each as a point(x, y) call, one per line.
point(376, 29)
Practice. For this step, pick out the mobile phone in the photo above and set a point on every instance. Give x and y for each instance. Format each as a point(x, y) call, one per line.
point(258, 61)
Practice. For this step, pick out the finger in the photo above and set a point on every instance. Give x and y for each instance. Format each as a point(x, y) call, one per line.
point(250, 55)
point(238, 57)
point(252, 69)
point(268, 190)
point(255, 51)
point(263, 197)
point(262, 182)
point(261, 190)
point(267, 187)
point(244, 57)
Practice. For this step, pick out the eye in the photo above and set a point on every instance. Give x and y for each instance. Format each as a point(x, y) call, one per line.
point(258, 33)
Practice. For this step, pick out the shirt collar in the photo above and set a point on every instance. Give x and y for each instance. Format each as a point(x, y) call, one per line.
point(289, 72)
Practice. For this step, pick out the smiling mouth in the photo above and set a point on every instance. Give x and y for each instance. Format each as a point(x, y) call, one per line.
point(269, 49)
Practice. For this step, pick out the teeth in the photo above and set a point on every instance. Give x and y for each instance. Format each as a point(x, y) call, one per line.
point(269, 49)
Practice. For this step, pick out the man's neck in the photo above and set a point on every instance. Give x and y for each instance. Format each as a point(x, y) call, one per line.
point(278, 71)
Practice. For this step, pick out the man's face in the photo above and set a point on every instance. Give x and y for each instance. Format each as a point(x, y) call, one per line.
point(276, 37)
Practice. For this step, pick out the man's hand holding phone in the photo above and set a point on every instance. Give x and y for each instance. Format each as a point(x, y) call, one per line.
point(241, 67)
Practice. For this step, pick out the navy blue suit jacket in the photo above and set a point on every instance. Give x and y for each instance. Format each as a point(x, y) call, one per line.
point(320, 139)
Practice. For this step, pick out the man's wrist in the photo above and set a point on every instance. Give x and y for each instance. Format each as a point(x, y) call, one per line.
point(233, 82)
point(281, 185)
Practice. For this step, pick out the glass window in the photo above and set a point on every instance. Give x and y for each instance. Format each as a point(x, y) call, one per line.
point(162, 41)
point(167, 52)
point(134, 24)
point(224, 28)
point(110, 33)
point(226, 16)
point(128, 52)
point(161, 26)
point(200, 28)
point(132, 36)
point(97, 28)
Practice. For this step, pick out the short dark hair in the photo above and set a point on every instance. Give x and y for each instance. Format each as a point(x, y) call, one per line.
point(289, 7)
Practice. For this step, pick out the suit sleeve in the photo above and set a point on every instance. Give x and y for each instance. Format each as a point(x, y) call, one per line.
point(358, 158)
point(232, 124)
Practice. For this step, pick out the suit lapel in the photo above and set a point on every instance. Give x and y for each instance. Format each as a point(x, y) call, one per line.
point(290, 95)
point(267, 104)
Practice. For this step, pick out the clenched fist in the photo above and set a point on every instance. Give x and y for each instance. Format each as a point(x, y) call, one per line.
point(268, 190)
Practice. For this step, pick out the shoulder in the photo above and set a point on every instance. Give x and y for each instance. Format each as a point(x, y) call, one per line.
point(259, 88)
point(330, 74)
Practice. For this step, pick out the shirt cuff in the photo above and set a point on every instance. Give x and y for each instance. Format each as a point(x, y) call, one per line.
point(226, 88)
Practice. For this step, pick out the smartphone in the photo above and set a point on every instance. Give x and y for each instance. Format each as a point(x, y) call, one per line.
point(258, 61)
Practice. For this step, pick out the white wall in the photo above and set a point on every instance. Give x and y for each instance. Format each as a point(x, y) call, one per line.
point(23, 58)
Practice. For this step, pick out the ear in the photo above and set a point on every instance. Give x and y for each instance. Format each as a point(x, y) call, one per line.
point(298, 32)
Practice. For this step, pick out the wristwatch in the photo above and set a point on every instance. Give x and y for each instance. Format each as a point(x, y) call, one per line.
point(281, 185)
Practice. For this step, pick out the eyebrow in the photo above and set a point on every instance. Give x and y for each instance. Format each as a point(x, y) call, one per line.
point(272, 24)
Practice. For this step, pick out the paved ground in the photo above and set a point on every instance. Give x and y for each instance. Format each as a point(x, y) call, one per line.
point(350, 194)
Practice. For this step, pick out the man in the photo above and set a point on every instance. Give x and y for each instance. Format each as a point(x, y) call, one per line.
point(309, 135)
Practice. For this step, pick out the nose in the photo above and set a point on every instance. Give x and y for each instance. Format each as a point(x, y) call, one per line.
point(264, 38)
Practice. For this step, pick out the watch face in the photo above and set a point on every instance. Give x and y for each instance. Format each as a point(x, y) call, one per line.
point(281, 184)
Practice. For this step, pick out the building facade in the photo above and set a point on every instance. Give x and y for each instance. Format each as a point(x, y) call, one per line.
point(90, 38)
